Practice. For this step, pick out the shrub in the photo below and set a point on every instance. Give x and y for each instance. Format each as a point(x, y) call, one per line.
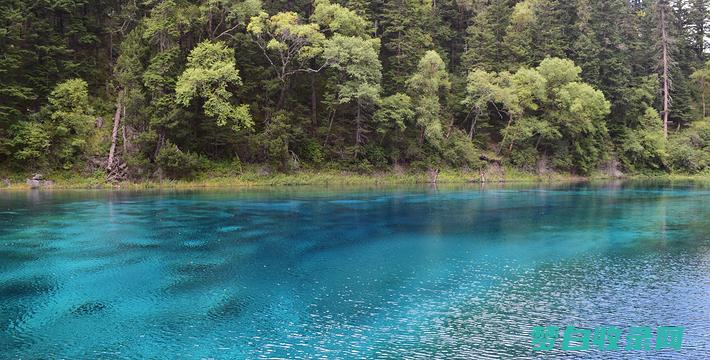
point(376, 156)
point(312, 152)
point(684, 157)
point(459, 151)
point(525, 158)
point(689, 151)
point(177, 164)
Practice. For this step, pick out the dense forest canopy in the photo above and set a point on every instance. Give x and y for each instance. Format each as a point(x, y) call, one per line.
point(152, 88)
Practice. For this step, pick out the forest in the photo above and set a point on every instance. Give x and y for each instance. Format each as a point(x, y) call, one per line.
point(145, 89)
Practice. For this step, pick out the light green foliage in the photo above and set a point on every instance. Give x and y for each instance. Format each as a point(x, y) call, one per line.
point(558, 72)
point(529, 127)
point(71, 96)
point(159, 81)
point(689, 151)
point(529, 90)
point(546, 105)
point(581, 108)
point(702, 74)
point(358, 60)
point(289, 46)
point(483, 88)
point(210, 70)
point(523, 15)
point(30, 142)
point(60, 136)
point(580, 116)
point(70, 120)
point(426, 87)
point(223, 17)
point(645, 146)
point(285, 35)
point(338, 19)
point(168, 20)
point(641, 97)
point(359, 64)
point(395, 113)
point(158, 76)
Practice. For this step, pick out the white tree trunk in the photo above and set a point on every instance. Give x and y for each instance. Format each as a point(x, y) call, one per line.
point(665, 63)
point(114, 136)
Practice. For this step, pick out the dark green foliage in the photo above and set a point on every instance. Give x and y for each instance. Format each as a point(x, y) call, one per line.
point(177, 164)
point(485, 36)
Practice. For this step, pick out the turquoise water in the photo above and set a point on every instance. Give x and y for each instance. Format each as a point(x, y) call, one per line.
point(298, 273)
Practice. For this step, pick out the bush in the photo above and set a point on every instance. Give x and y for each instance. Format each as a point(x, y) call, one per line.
point(31, 142)
point(376, 156)
point(363, 167)
point(562, 159)
point(525, 158)
point(459, 151)
point(686, 158)
point(689, 151)
point(177, 164)
point(139, 166)
point(312, 152)
point(644, 147)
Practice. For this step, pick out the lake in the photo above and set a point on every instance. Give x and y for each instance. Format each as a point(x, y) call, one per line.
point(461, 272)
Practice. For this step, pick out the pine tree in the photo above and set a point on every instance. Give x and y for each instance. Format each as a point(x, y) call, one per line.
point(406, 37)
point(485, 36)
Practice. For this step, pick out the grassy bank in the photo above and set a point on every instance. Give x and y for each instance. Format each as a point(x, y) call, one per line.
point(252, 177)
point(255, 177)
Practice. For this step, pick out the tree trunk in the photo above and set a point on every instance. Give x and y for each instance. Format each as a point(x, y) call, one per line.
point(330, 126)
point(510, 122)
point(114, 136)
point(358, 129)
point(125, 139)
point(282, 95)
point(279, 102)
point(665, 64)
point(702, 94)
point(450, 128)
point(472, 130)
point(314, 103)
point(160, 143)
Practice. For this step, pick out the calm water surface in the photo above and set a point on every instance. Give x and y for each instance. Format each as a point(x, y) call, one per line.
point(416, 273)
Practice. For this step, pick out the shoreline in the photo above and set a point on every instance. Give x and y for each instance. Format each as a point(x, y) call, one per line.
point(328, 178)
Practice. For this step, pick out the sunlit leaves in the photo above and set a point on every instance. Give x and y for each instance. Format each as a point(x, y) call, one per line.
point(210, 70)
point(426, 87)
